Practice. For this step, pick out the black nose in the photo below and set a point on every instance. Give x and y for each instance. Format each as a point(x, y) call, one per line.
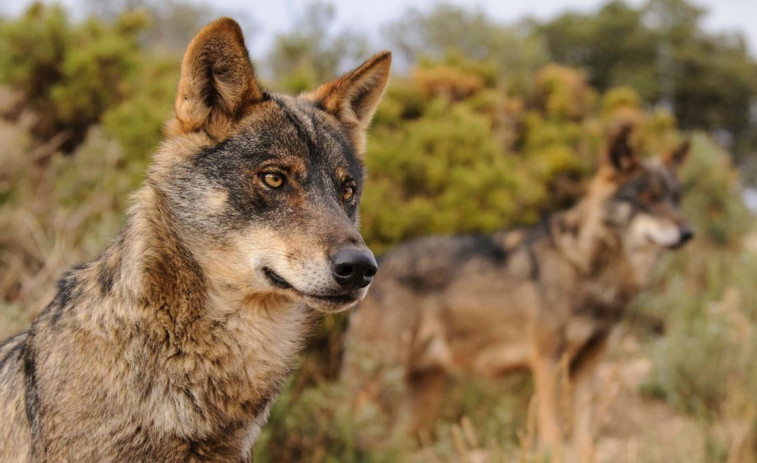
point(353, 267)
point(686, 234)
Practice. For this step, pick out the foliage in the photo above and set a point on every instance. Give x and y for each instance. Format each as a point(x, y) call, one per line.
point(449, 30)
point(445, 169)
point(312, 53)
point(137, 122)
point(69, 75)
point(661, 50)
point(319, 425)
point(613, 45)
point(171, 24)
point(463, 155)
point(714, 188)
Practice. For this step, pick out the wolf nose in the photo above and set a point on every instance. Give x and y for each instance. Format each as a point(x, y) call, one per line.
point(353, 267)
point(687, 233)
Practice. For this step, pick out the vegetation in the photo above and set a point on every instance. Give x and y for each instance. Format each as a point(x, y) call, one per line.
point(661, 51)
point(68, 74)
point(488, 126)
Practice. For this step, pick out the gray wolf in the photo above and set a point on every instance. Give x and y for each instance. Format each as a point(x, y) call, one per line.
point(543, 299)
point(173, 343)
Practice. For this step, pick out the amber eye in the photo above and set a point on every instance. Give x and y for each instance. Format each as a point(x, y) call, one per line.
point(273, 179)
point(348, 193)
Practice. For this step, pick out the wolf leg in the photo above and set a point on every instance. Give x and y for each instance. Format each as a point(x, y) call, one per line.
point(422, 400)
point(583, 417)
point(583, 378)
point(545, 369)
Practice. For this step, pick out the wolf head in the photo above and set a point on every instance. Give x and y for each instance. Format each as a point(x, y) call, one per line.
point(643, 200)
point(264, 188)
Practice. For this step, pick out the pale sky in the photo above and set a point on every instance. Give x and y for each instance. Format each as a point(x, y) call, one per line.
point(274, 16)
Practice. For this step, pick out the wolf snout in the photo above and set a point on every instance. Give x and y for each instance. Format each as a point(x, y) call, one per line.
point(353, 267)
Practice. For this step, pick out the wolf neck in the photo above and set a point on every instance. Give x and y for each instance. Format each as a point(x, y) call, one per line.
point(605, 280)
point(150, 269)
point(152, 265)
point(590, 245)
point(231, 355)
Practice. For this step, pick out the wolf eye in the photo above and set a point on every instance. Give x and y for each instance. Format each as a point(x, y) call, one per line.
point(653, 196)
point(348, 193)
point(273, 179)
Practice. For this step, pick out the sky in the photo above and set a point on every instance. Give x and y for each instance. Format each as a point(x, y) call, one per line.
point(273, 16)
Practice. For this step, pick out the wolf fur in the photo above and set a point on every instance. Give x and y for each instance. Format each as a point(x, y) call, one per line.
point(173, 343)
point(543, 299)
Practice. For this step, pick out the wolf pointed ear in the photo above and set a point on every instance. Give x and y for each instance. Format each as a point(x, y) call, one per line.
point(619, 154)
point(677, 158)
point(217, 82)
point(354, 97)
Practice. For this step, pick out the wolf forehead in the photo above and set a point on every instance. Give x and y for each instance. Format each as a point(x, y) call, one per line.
point(652, 181)
point(285, 132)
point(216, 187)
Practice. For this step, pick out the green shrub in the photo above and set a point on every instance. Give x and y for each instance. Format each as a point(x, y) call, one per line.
point(713, 200)
point(137, 122)
point(69, 74)
point(446, 171)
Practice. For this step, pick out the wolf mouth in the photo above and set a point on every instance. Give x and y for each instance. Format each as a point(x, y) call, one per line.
point(279, 282)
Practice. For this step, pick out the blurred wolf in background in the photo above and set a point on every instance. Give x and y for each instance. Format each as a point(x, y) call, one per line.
point(173, 343)
point(545, 298)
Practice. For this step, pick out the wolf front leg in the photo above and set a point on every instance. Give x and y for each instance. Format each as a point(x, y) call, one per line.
point(546, 371)
point(582, 446)
point(583, 380)
point(422, 400)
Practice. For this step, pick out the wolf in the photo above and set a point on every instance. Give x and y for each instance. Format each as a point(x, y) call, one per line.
point(173, 343)
point(543, 299)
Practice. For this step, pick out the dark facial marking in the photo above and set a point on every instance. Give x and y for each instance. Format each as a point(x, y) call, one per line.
point(324, 142)
point(650, 187)
point(299, 141)
point(301, 129)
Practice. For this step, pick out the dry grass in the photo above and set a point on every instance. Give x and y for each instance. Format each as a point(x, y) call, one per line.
point(52, 216)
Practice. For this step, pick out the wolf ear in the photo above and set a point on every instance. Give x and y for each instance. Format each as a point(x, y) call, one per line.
point(217, 82)
point(619, 154)
point(677, 158)
point(354, 97)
